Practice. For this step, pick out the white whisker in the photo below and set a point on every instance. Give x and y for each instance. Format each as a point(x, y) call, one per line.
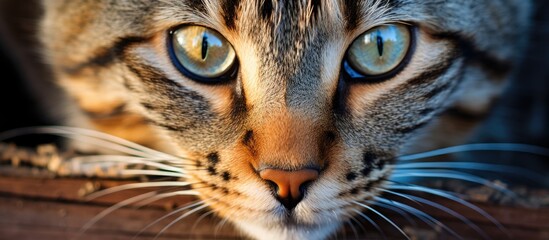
point(426, 218)
point(399, 173)
point(451, 212)
point(472, 166)
point(156, 163)
point(399, 212)
point(113, 208)
point(372, 222)
point(503, 147)
point(452, 198)
point(179, 219)
point(384, 217)
point(167, 195)
point(398, 194)
point(176, 211)
point(388, 204)
point(158, 173)
point(93, 137)
point(135, 186)
point(193, 228)
point(350, 223)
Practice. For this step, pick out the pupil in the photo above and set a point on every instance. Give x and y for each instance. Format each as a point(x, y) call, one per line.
point(379, 44)
point(204, 46)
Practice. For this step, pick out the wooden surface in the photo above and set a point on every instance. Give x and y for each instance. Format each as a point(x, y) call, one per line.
point(36, 206)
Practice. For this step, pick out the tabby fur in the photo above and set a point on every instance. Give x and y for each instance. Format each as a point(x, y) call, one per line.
point(288, 108)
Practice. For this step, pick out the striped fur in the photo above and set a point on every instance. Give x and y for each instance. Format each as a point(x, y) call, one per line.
point(289, 105)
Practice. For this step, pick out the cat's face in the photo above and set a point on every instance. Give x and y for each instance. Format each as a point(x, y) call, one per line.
point(310, 98)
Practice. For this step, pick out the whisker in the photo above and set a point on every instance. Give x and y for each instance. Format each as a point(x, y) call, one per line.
point(221, 224)
point(179, 219)
point(135, 186)
point(359, 223)
point(224, 221)
point(388, 204)
point(426, 218)
point(454, 198)
point(152, 162)
point(534, 176)
point(399, 212)
point(200, 219)
point(452, 175)
point(384, 217)
point(398, 183)
point(451, 212)
point(350, 223)
point(504, 147)
point(399, 195)
point(372, 222)
point(178, 210)
point(113, 208)
point(152, 173)
point(167, 195)
point(93, 137)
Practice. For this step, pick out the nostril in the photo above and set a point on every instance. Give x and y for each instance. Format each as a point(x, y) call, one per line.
point(272, 186)
point(304, 186)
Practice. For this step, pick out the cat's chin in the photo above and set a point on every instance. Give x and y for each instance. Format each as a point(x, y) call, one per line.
point(260, 230)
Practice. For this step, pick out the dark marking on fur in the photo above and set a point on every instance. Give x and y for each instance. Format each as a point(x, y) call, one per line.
point(432, 73)
point(370, 184)
point(196, 5)
point(107, 56)
point(167, 126)
point(351, 13)
point(230, 15)
point(369, 157)
point(249, 141)
point(340, 97)
point(426, 111)
point(212, 170)
point(366, 170)
point(248, 137)
point(351, 176)
point(371, 162)
point(226, 176)
point(354, 191)
point(213, 158)
point(316, 6)
point(149, 106)
point(266, 9)
point(437, 90)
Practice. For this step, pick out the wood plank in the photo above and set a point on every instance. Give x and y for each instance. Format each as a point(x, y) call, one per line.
point(50, 208)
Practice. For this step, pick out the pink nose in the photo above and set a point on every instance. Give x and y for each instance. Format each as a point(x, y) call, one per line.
point(290, 185)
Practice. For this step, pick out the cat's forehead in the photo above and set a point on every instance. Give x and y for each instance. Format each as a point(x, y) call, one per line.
point(280, 17)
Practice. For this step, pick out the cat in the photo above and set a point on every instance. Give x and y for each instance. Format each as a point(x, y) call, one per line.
point(286, 116)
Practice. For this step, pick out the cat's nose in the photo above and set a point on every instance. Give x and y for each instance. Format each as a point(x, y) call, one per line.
point(290, 185)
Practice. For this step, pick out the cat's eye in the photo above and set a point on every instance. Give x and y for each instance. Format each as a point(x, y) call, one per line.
point(378, 53)
point(202, 54)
